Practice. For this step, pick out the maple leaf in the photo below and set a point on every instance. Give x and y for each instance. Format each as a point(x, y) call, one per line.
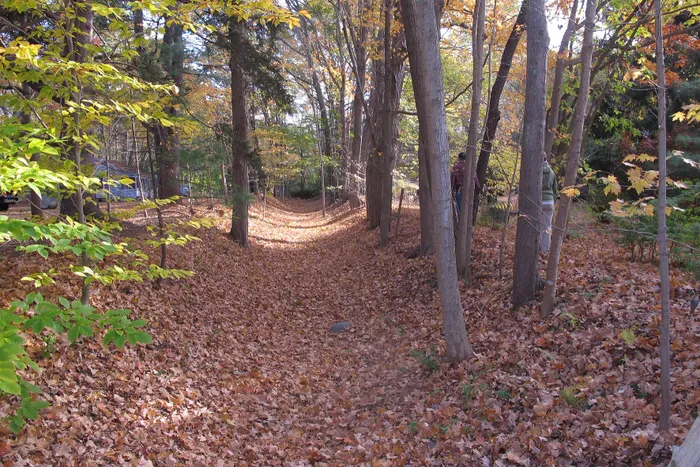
point(612, 186)
point(571, 191)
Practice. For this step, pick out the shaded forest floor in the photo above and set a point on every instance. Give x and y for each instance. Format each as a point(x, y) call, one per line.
point(244, 371)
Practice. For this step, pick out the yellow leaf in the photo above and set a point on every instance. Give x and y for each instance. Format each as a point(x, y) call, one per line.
point(611, 185)
point(571, 191)
point(679, 116)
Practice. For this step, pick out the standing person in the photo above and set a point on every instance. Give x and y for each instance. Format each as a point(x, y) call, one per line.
point(550, 191)
point(457, 180)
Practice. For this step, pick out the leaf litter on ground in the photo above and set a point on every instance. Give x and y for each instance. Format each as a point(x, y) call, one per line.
point(244, 371)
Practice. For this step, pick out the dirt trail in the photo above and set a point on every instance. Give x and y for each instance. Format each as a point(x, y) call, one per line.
point(244, 371)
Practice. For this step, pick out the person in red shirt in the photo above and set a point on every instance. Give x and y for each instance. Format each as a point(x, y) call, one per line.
point(457, 180)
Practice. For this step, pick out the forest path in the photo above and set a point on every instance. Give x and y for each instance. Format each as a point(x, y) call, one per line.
point(243, 368)
point(244, 371)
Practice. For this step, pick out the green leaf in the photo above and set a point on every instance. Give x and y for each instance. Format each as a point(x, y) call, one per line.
point(9, 387)
point(32, 388)
point(119, 340)
point(41, 404)
point(73, 333)
point(8, 375)
point(142, 337)
point(16, 424)
point(30, 412)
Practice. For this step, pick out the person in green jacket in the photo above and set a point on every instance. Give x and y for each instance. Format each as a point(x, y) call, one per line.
point(550, 192)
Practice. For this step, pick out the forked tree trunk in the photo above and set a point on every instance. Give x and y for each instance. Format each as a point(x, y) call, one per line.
point(240, 147)
point(572, 162)
point(665, 338)
point(530, 194)
point(466, 226)
point(422, 39)
point(557, 89)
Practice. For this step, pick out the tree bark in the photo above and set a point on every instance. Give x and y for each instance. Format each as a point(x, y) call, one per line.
point(373, 177)
point(530, 194)
point(422, 40)
point(493, 115)
point(357, 104)
point(34, 198)
point(425, 198)
point(572, 162)
point(466, 226)
point(172, 57)
point(240, 146)
point(665, 338)
point(320, 98)
point(688, 454)
point(76, 205)
point(557, 89)
point(388, 117)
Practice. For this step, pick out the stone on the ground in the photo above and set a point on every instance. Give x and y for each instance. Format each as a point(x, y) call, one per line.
point(337, 328)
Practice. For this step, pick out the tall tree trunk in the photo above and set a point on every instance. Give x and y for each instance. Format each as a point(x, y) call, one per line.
point(388, 118)
point(572, 162)
point(76, 204)
point(34, 198)
point(172, 57)
point(493, 115)
point(557, 88)
point(159, 209)
point(422, 39)
point(323, 187)
point(466, 226)
point(373, 177)
point(665, 338)
point(320, 98)
point(224, 187)
point(240, 146)
point(425, 198)
point(81, 28)
point(357, 104)
point(530, 194)
point(342, 112)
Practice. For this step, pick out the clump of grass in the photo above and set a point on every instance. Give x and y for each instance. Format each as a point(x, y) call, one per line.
point(569, 396)
point(427, 360)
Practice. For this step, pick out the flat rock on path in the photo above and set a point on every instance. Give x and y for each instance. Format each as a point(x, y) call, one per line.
point(337, 328)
